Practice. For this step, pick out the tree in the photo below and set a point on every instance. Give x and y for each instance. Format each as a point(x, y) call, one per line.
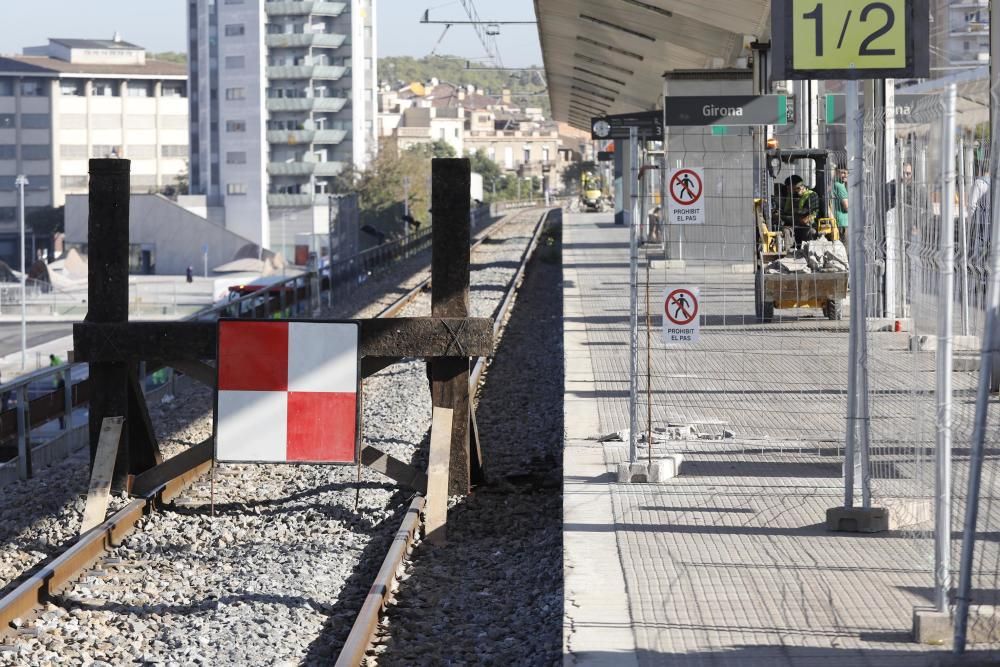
point(489, 170)
point(437, 148)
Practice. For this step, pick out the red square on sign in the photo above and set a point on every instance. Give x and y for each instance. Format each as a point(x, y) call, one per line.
point(321, 426)
point(253, 356)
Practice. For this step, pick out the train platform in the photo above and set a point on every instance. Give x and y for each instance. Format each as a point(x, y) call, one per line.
point(729, 563)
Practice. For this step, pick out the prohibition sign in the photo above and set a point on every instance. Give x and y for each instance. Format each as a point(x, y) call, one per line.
point(681, 307)
point(685, 187)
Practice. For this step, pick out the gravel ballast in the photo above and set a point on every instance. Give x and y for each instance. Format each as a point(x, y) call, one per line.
point(493, 595)
point(278, 573)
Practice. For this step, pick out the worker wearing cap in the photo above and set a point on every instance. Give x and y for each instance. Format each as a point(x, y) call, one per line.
point(799, 209)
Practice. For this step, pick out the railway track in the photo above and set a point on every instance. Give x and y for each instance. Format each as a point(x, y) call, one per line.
point(50, 582)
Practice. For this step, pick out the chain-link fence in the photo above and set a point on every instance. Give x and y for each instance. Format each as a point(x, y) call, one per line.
point(746, 360)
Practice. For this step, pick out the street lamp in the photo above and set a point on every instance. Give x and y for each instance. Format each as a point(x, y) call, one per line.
point(20, 182)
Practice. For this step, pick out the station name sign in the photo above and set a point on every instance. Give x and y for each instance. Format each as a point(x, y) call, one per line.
point(648, 124)
point(850, 39)
point(905, 108)
point(726, 110)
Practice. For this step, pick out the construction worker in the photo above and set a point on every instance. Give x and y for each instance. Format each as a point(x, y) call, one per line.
point(799, 209)
point(840, 203)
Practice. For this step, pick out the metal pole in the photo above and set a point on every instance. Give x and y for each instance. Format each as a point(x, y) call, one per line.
point(21, 181)
point(855, 139)
point(406, 215)
point(630, 206)
point(23, 433)
point(963, 221)
point(992, 312)
point(946, 316)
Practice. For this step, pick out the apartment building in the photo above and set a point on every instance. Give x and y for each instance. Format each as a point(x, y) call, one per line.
point(283, 100)
point(75, 99)
point(960, 34)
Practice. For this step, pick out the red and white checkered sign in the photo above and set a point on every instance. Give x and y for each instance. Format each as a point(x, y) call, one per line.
point(288, 392)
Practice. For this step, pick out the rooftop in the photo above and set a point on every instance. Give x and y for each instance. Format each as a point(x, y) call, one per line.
point(106, 44)
point(45, 66)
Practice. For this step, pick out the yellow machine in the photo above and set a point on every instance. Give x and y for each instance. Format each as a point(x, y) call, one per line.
point(591, 192)
point(826, 291)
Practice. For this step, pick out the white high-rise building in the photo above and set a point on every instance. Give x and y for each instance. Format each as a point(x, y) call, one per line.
point(283, 99)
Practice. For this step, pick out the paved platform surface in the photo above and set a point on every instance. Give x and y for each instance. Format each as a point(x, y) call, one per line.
point(730, 563)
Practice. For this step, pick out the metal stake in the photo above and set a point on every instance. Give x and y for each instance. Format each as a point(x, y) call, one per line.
point(963, 221)
point(630, 206)
point(855, 235)
point(992, 312)
point(946, 316)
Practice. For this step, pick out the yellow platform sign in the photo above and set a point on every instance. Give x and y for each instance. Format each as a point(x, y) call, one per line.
point(850, 39)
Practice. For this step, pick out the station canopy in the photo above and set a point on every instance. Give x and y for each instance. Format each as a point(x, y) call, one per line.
point(609, 56)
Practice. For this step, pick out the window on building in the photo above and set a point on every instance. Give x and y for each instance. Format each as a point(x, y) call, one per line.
point(73, 182)
point(235, 30)
point(236, 157)
point(173, 122)
point(106, 89)
point(8, 152)
point(73, 152)
point(140, 88)
point(34, 88)
point(103, 151)
point(508, 157)
point(35, 152)
point(72, 88)
point(236, 93)
point(73, 121)
point(8, 213)
point(236, 188)
point(236, 62)
point(140, 122)
point(173, 89)
point(457, 133)
point(236, 126)
point(545, 154)
point(141, 152)
point(168, 150)
point(527, 155)
point(234, 2)
point(39, 182)
point(7, 121)
point(6, 88)
point(106, 121)
point(35, 121)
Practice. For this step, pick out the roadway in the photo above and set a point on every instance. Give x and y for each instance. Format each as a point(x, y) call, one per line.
point(39, 333)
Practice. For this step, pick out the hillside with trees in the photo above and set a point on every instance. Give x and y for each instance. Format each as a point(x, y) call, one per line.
point(527, 86)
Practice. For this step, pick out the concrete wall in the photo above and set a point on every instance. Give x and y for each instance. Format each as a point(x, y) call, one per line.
point(176, 234)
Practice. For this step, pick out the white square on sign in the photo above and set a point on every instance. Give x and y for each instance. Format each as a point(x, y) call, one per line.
point(322, 357)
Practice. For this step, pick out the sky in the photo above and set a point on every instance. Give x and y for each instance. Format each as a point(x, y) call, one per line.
point(159, 25)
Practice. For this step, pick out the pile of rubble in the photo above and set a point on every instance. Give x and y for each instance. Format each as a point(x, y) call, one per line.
point(819, 256)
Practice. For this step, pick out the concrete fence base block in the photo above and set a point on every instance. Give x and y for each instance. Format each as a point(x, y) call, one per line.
point(932, 627)
point(857, 520)
point(657, 472)
point(921, 343)
point(667, 264)
point(965, 362)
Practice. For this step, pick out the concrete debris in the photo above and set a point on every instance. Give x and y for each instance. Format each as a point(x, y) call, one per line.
point(819, 256)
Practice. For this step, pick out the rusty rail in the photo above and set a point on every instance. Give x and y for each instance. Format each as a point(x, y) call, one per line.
point(363, 633)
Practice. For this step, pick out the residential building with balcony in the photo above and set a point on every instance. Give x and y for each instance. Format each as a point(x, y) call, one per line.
point(283, 100)
point(75, 99)
point(960, 34)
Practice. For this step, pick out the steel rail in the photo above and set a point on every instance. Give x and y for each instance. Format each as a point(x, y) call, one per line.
point(363, 633)
point(46, 583)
